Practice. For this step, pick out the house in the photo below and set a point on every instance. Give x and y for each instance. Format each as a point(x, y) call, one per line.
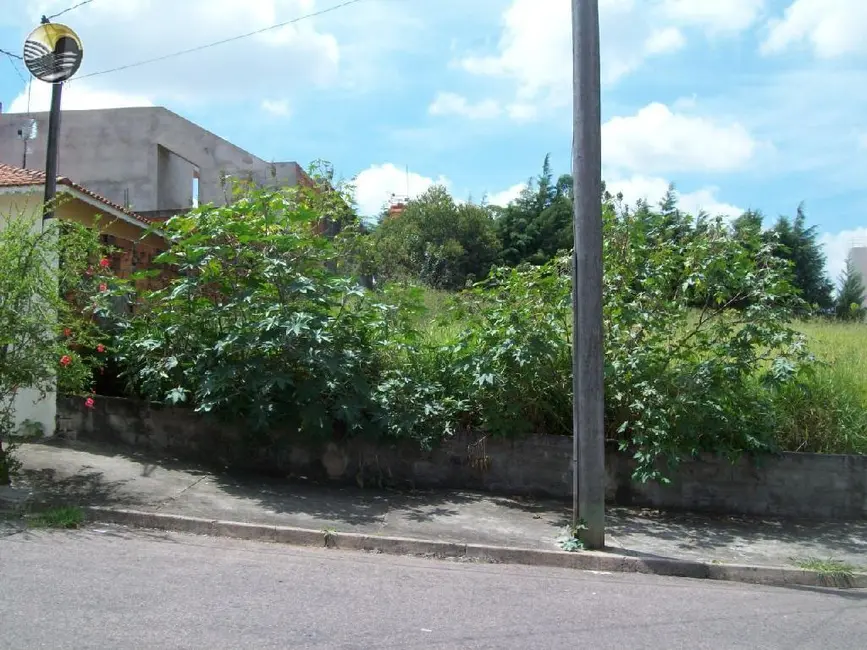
point(396, 205)
point(22, 193)
point(146, 159)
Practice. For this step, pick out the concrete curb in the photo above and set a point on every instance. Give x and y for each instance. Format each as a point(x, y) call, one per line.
point(583, 560)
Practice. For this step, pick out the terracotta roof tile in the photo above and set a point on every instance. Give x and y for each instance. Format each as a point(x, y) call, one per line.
point(16, 177)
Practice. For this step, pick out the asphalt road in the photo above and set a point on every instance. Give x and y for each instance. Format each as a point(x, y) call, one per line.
point(115, 588)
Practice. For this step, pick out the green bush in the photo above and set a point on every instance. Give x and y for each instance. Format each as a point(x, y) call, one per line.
point(266, 322)
point(678, 382)
point(513, 356)
point(260, 326)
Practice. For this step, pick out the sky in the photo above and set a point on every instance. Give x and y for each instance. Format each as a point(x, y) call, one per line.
point(758, 104)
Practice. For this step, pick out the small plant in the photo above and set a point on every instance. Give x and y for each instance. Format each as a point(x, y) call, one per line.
point(836, 572)
point(571, 541)
point(64, 517)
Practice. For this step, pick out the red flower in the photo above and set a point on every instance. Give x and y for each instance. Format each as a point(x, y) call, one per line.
point(67, 331)
point(65, 360)
point(89, 403)
point(103, 286)
point(100, 348)
point(104, 262)
point(89, 271)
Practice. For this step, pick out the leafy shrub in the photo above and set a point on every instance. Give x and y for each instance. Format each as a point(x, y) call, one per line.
point(259, 325)
point(514, 354)
point(266, 322)
point(678, 381)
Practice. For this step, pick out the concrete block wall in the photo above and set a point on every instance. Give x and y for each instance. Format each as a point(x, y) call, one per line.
point(809, 486)
point(143, 155)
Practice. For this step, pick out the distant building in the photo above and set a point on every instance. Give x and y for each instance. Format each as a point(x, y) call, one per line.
point(858, 256)
point(147, 159)
point(396, 205)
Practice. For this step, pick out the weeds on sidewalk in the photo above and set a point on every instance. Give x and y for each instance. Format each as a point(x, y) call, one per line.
point(571, 541)
point(64, 517)
point(836, 572)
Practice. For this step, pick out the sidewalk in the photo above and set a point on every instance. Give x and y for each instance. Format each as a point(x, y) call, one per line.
point(122, 479)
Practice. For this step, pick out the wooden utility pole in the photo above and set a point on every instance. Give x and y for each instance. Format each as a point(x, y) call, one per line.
point(587, 353)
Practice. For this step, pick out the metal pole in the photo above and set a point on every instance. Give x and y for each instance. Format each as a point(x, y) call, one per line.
point(51, 153)
point(587, 360)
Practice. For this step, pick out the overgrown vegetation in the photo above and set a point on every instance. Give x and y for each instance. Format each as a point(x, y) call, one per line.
point(262, 324)
point(436, 242)
point(710, 327)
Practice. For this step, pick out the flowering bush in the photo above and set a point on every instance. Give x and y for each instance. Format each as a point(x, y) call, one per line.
point(49, 304)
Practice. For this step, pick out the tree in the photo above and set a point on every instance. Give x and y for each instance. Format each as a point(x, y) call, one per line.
point(52, 289)
point(437, 242)
point(748, 229)
point(851, 295)
point(798, 244)
point(538, 224)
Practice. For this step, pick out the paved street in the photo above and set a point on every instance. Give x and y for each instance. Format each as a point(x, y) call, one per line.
point(118, 588)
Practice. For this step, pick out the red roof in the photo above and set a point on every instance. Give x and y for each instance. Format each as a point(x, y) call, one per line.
point(17, 177)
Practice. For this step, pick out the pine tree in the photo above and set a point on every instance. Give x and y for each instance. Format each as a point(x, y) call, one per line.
point(798, 244)
point(851, 295)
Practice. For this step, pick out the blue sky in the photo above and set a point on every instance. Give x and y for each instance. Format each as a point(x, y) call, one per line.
point(742, 104)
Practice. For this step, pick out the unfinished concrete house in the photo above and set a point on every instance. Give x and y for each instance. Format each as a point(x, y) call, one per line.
point(147, 159)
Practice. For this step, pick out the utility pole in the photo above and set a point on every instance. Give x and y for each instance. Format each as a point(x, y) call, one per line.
point(51, 153)
point(587, 351)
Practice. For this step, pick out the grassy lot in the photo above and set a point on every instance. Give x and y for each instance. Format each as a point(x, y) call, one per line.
point(829, 413)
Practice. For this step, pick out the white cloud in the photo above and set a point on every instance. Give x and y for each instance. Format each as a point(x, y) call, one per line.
point(837, 247)
point(830, 27)
point(506, 196)
point(669, 39)
point(652, 189)
point(715, 17)
point(522, 112)
point(685, 103)
point(375, 185)
point(76, 96)
point(120, 32)
point(656, 140)
point(277, 107)
point(453, 104)
point(535, 46)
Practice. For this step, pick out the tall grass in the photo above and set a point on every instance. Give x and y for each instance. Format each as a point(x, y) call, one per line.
point(438, 324)
point(826, 412)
